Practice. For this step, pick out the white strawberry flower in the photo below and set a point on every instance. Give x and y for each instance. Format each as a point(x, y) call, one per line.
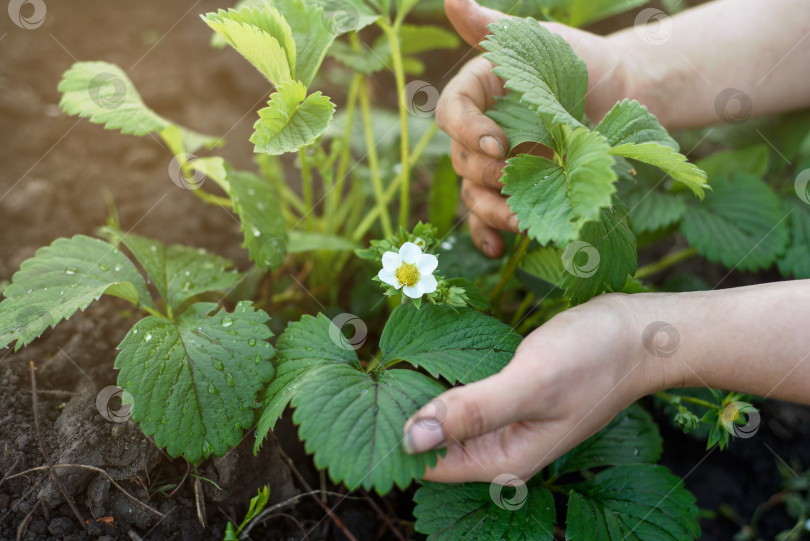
point(410, 270)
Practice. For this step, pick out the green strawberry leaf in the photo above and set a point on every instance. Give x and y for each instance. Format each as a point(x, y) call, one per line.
point(651, 208)
point(291, 119)
point(751, 160)
point(602, 259)
point(541, 66)
point(552, 202)
point(796, 259)
point(632, 503)
point(666, 159)
point(443, 196)
point(631, 122)
point(261, 35)
point(304, 241)
point(59, 280)
point(352, 421)
point(347, 15)
point(102, 93)
point(312, 36)
point(741, 224)
point(519, 121)
point(631, 438)
point(461, 345)
point(578, 13)
point(304, 346)
point(258, 206)
point(447, 512)
point(194, 380)
point(544, 263)
point(178, 272)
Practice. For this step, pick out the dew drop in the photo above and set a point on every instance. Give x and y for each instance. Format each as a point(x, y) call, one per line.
point(309, 348)
point(103, 267)
point(258, 359)
point(211, 388)
point(128, 383)
point(227, 322)
point(146, 365)
point(163, 420)
point(70, 270)
point(29, 291)
point(74, 285)
point(229, 378)
point(147, 337)
point(153, 248)
point(256, 232)
point(232, 332)
point(118, 267)
point(218, 365)
point(252, 342)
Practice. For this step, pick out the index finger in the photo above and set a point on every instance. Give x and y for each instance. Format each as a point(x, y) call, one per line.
point(460, 111)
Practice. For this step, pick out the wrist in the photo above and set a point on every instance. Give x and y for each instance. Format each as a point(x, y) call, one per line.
point(653, 340)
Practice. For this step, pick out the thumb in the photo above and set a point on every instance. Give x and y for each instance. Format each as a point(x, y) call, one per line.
point(470, 20)
point(463, 413)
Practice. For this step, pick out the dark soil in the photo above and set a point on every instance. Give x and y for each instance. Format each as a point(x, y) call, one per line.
point(55, 174)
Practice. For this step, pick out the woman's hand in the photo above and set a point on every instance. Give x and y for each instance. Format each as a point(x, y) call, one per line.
point(568, 379)
point(478, 146)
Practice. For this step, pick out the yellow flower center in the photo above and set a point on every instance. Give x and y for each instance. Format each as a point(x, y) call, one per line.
point(407, 274)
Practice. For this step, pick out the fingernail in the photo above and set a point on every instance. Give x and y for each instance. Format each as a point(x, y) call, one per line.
point(424, 435)
point(486, 249)
point(513, 223)
point(491, 147)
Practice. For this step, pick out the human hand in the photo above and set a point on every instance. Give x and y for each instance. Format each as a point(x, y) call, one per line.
point(478, 146)
point(567, 380)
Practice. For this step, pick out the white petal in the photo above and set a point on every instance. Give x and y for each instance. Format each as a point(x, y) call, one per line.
point(389, 278)
point(412, 291)
point(391, 261)
point(409, 252)
point(426, 264)
point(427, 283)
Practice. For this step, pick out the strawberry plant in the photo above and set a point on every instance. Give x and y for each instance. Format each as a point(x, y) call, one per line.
point(202, 366)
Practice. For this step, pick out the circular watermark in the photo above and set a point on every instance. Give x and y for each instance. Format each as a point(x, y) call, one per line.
point(421, 98)
point(735, 413)
point(114, 403)
point(575, 265)
point(733, 106)
point(358, 337)
point(432, 415)
point(800, 185)
point(178, 176)
point(34, 13)
point(653, 26)
point(496, 492)
point(107, 90)
point(340, 17)
point(661, 339)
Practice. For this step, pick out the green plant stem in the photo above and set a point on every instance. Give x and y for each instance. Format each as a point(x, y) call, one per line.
point(525, 304)
point(213, 199)
point(511, 265)
point(306, 181)
point(373, 163)
point(336, 193)
point(154, 312)
point(665, 262)
point(399, 74)
point(420, 147)
point(673, 397)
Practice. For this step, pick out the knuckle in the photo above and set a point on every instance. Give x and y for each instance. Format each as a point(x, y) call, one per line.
point(492, 174)
point(474, 418)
